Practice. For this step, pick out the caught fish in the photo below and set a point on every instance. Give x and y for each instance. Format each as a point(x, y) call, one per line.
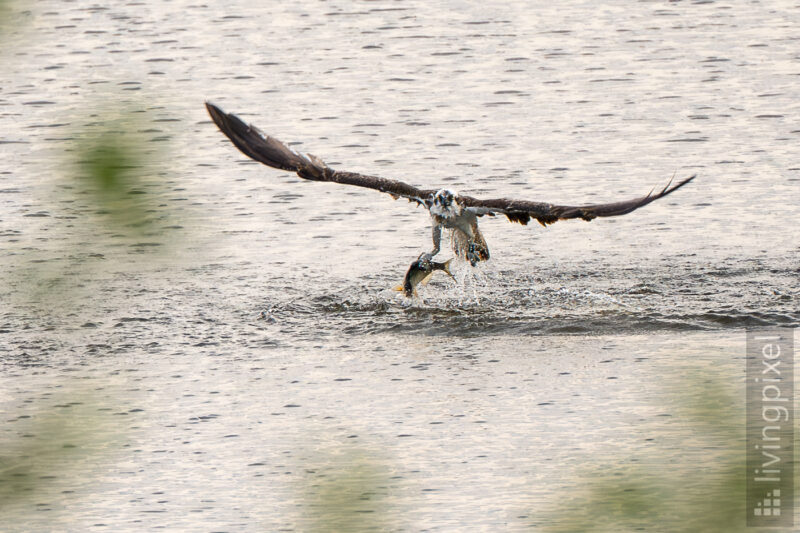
point(421, 271)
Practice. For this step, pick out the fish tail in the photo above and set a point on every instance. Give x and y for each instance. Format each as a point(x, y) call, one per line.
point(407, 291)
point(447, 268)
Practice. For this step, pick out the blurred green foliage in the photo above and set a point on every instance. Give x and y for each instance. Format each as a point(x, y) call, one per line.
point(12, 17)
point(47, 449)
point(107, 195)
point(119, 170)
point(5, 13)
point(107, 206)
point(704, 491)
point(346, 491)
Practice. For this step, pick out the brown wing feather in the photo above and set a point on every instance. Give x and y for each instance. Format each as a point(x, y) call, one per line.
point(523, 211)
point(272, 152)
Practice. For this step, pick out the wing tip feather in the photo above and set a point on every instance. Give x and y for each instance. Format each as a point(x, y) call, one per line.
point(677, 186)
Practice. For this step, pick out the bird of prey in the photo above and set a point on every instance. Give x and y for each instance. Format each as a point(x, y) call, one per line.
point(456, 212)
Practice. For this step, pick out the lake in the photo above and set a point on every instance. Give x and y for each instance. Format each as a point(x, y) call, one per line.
point(235, 359)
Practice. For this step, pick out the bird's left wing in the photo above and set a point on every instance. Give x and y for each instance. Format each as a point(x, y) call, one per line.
point(272, 152)
point(523, 211)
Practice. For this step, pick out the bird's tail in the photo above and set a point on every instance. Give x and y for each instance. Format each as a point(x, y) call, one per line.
point(265, 149)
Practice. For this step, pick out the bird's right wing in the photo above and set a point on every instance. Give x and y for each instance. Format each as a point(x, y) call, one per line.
point(272, 152)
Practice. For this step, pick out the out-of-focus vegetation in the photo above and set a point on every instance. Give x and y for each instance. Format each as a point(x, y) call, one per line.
point(108, 207)
point(346, 491)
point(48, 449)
point(704, 491)
point(13, 16)
point(109, 197)
point(5, 14)
point(105, 201)
point(117, 170)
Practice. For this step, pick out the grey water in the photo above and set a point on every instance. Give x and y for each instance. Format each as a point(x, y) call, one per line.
point(250, 338)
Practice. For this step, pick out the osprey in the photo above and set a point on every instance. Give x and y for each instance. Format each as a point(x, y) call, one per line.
point(456, 212)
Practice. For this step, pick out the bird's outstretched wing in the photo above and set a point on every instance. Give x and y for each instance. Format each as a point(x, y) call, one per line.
point(272, 152)
point(522, 211)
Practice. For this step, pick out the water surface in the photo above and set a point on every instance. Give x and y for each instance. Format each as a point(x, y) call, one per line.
point(251, 334)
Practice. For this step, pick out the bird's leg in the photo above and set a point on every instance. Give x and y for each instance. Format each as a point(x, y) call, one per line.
point(471, 256)
point(437, 241)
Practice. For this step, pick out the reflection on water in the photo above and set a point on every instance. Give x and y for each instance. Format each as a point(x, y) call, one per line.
point(269, 334)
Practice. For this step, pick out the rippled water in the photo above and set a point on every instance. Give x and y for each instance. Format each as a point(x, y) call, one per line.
point(255, 327)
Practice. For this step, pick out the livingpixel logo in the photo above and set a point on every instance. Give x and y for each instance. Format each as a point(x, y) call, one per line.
point(770, 506)
point(770, 427)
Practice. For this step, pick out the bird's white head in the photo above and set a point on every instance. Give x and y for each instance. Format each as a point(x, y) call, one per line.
point(445, 204)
